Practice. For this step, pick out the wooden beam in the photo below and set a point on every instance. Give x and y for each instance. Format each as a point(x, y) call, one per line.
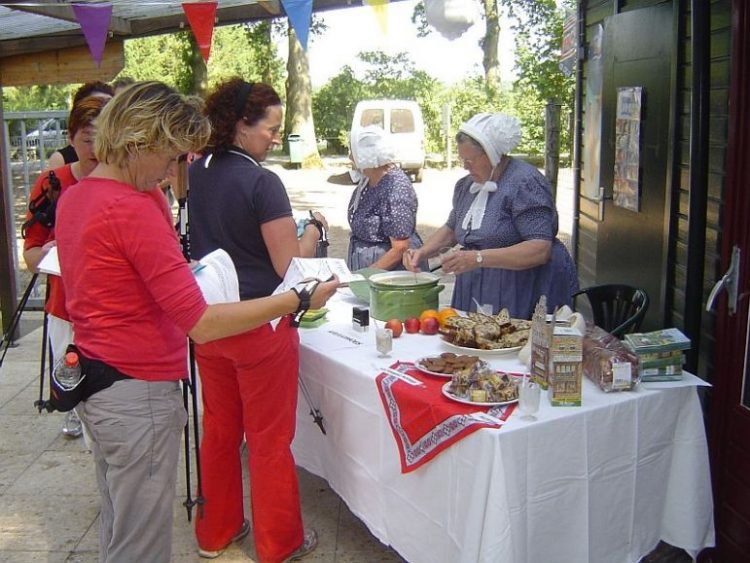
point(65, 12)
point(273, 7)
point(62, 66)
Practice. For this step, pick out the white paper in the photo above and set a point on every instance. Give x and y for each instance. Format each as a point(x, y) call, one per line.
point(318, 268)
point(50, 264)
point(218, 278)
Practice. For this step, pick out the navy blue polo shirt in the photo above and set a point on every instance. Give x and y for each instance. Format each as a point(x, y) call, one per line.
point(230, 197)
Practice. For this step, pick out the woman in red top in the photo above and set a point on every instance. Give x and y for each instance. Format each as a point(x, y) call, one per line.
point(39, 234)
point(132, 299)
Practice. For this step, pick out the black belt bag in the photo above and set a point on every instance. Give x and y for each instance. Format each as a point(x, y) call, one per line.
point(95, 376)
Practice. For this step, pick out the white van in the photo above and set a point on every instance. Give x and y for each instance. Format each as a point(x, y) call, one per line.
point(402, 119)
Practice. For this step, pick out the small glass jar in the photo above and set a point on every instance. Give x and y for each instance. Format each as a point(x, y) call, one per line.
point(384, 341)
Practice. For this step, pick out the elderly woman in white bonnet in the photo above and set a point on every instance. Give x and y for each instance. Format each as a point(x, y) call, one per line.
point(383, 208)
point(505, 221)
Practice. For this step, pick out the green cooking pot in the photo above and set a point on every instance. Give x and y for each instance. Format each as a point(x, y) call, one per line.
point(361, 288)
point(400, 295)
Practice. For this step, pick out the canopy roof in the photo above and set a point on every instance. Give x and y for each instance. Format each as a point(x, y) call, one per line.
point(32, 26)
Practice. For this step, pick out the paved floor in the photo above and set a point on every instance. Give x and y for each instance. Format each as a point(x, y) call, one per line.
point(49, 505)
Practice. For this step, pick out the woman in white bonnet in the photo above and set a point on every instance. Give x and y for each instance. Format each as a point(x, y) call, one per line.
point(505, 221)
point(383, 209)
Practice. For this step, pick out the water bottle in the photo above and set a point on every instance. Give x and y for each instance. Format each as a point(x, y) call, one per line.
point(68, 371)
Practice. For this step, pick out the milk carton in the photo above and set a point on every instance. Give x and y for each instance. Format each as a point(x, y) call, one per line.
point(541, 339)
point(565, 376)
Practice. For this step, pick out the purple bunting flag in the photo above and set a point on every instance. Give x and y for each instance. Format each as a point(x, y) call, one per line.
point(94, 21)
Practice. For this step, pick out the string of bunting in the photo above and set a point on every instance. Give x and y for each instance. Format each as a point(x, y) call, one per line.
point(94, 19)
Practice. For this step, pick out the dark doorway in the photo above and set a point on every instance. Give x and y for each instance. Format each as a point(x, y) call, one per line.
point(729, 414)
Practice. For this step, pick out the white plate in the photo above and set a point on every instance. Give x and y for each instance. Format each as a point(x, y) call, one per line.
point(452, 397)
point(418, 365)
point(474, 351)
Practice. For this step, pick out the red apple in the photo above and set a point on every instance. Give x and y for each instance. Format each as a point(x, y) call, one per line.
point(396, 326)
point(411, 325)
point(430, 326)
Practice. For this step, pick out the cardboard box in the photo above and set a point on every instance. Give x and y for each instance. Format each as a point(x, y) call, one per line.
point(541, 338)
point(565, 377)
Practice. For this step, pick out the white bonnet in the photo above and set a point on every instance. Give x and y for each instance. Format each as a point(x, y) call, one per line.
point(371, 147)
point(497, 133)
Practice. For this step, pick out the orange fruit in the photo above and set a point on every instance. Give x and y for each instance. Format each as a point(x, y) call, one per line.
point(445, 313)
point(427, 313)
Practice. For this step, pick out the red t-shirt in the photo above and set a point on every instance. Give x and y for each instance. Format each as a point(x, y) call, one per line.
point(131, 296)
point(39, 235)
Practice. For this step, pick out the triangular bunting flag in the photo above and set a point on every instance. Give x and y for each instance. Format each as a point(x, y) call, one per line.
point(381, 13)
point(299, 13)
point(201, 16)
point(94, 21)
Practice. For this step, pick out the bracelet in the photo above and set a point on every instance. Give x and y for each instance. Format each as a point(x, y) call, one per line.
point(304, 291)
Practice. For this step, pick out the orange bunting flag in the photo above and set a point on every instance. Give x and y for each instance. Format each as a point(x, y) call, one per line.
point(200, 16)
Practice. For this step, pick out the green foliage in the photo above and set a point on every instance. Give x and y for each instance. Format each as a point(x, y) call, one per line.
point(155, 58)
point(386, 76)
point(237, 50)
point(538, 41)
point(34, 98)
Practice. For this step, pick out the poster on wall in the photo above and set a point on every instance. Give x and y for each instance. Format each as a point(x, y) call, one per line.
point(626, 191)
point(592, 114)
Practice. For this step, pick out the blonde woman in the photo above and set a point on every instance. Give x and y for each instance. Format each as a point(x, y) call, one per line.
point(132, 299)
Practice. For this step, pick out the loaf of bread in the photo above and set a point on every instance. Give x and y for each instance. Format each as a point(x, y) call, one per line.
point(607, 362)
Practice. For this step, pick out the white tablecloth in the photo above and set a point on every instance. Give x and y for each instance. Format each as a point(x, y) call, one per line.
point(601, 483)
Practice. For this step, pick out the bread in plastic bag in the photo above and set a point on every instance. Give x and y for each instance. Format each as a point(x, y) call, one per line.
point(607, 362)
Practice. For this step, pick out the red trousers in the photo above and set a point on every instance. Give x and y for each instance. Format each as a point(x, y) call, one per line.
point(249, 387)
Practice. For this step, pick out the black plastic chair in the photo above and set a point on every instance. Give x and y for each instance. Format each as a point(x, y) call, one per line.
point(617, 308)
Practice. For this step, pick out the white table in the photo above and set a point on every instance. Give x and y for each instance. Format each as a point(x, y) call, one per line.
point(601, 483)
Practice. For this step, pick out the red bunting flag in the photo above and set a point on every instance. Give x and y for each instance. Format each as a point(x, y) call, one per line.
point(200, 16)
point(94, 22)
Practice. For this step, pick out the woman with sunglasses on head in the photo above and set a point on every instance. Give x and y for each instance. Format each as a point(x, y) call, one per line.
point(505, 220)
point(249, 382)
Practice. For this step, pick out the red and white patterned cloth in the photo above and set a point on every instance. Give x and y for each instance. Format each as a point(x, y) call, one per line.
point(425, 422)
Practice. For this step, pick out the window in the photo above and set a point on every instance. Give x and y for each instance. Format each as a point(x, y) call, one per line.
point(402, 121)
point(372, 117)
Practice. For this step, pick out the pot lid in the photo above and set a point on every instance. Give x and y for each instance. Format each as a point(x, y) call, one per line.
point(404, 279)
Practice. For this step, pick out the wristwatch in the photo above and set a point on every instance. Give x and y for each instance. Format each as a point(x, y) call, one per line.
point(304, 291)
point(480, 258)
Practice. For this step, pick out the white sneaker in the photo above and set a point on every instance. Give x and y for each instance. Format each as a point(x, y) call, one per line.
point(309, 543)
point(207, 554)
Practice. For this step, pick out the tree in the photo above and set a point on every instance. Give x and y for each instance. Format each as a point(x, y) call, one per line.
point(489, 43)
point(299, 115)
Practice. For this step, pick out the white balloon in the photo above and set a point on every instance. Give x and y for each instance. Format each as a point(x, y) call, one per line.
point(451, 18)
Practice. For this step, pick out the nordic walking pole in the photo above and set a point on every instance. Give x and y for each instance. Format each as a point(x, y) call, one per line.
point(183, 229)
point(314, 412)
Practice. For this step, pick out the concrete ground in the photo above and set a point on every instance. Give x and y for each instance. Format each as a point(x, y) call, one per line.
point(49, 504)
